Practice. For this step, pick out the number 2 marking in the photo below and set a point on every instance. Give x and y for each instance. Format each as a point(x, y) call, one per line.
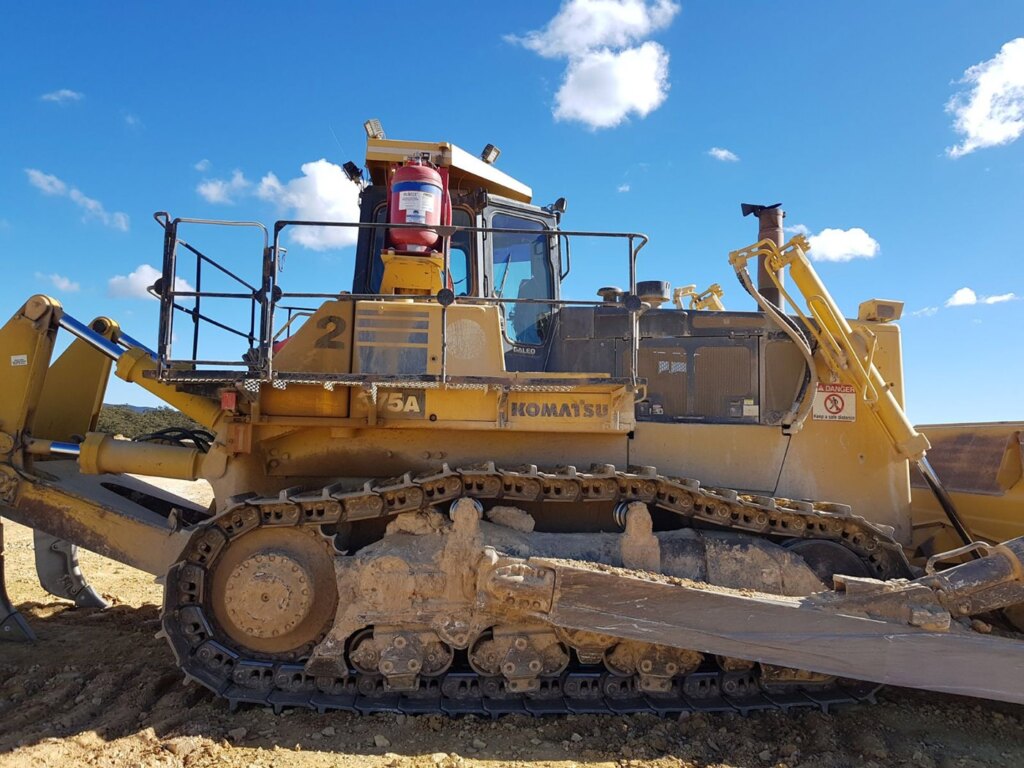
point(327, 341)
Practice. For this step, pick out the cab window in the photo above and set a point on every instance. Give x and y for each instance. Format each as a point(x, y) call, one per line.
point(460, 256)
point(522, 270)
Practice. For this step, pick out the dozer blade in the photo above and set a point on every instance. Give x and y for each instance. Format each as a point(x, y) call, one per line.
point(827, 633)
point(59, 572)
point(13, 626)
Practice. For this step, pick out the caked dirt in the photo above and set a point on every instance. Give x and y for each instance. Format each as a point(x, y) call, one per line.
point(99, 689)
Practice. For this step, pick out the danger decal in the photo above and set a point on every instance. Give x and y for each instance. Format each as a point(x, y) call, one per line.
point(835, 402)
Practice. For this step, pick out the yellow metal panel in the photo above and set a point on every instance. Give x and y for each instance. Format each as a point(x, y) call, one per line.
point(854, 462)
point(467, 404)
point(474, 341)
point(982, 467)
point(73, 391)
point(746, 456)
point(26, 344)
point(322, 344)
point(393, 337)
point(305, 400)
point(421, 274)
point(388, 452)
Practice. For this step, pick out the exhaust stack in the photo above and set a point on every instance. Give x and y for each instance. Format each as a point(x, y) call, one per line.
point(769, 227)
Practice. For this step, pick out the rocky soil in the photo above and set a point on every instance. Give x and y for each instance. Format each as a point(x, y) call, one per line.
point(98, 689)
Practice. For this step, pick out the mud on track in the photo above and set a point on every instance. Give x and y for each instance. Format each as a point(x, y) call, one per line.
point(99, 690)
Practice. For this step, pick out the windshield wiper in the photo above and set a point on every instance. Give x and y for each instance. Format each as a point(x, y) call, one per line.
point(504, 276)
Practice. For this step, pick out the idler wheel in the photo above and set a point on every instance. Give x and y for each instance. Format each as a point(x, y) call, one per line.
point(274, 591)
point(828, 558)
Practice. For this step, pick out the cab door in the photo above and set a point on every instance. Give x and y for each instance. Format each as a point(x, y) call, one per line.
point(522, 266)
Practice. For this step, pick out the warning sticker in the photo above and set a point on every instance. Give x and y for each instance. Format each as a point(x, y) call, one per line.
point(835, 402)
point(413, 200)
point(19, 360)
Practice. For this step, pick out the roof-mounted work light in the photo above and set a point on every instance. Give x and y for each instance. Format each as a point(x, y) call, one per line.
point(373, 128)
point(490, 154)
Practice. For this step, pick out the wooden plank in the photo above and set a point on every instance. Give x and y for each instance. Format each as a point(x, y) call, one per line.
point(788, 632)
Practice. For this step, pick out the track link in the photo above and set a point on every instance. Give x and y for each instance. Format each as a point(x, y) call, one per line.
point(207, 656)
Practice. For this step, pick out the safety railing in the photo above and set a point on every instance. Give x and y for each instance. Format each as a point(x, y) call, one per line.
point(178, 296)
point(267, 301)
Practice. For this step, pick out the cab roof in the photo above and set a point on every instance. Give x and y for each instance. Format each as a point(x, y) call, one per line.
point(465, 171)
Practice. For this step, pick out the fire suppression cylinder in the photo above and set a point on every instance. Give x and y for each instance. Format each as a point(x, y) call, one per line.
point(416, 195)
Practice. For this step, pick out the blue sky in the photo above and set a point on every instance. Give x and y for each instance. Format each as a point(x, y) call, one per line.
point(112, 111)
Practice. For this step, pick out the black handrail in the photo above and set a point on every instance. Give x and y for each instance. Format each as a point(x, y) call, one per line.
point(269, 297)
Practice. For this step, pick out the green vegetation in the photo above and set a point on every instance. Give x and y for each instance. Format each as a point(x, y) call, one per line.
point(133, 421)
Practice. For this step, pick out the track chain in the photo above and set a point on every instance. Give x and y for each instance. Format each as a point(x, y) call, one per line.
point(210, 660)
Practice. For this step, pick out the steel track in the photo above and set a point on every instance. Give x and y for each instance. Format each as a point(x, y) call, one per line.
point(208, 657)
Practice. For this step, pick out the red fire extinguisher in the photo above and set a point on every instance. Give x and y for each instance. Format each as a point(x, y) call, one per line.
point(417, 193)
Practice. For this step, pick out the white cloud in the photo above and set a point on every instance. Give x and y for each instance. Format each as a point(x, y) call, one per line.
point(611, 72)
point(963, 297)
point(202, 166)
point(842, 245)
point(924, 312)
point(623, 187)
point(46, 183)
point(991, 111)
point(322, 193)
point(224, 191)
point(720, 153)
point(134, 285)
point(999, 299)
point(49, 184)
point(63, 96)
point(603, 87)
point(59, 282)
point(966, 297)
point(797, 229)
point(132, 121)
point(585, 25)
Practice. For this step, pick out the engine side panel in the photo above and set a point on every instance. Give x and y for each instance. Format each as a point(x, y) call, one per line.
point(718, 385)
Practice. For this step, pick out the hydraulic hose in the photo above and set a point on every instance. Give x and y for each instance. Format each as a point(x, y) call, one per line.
point(794, 418)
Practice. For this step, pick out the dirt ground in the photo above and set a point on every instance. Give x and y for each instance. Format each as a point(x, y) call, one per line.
point(99, 690)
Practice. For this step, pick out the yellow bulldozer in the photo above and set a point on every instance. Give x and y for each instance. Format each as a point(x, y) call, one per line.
point(453, 490)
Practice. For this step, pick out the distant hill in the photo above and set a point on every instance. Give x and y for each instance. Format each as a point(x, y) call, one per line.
point(133, 408)
point(136, 420)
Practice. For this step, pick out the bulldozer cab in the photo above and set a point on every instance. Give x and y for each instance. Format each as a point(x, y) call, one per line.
point(524, 264)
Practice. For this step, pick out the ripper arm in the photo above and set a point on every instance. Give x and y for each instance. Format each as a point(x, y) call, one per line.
point(848, 353)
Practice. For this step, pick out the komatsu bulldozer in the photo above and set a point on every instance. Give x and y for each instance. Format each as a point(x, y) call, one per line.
point(453, 490)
